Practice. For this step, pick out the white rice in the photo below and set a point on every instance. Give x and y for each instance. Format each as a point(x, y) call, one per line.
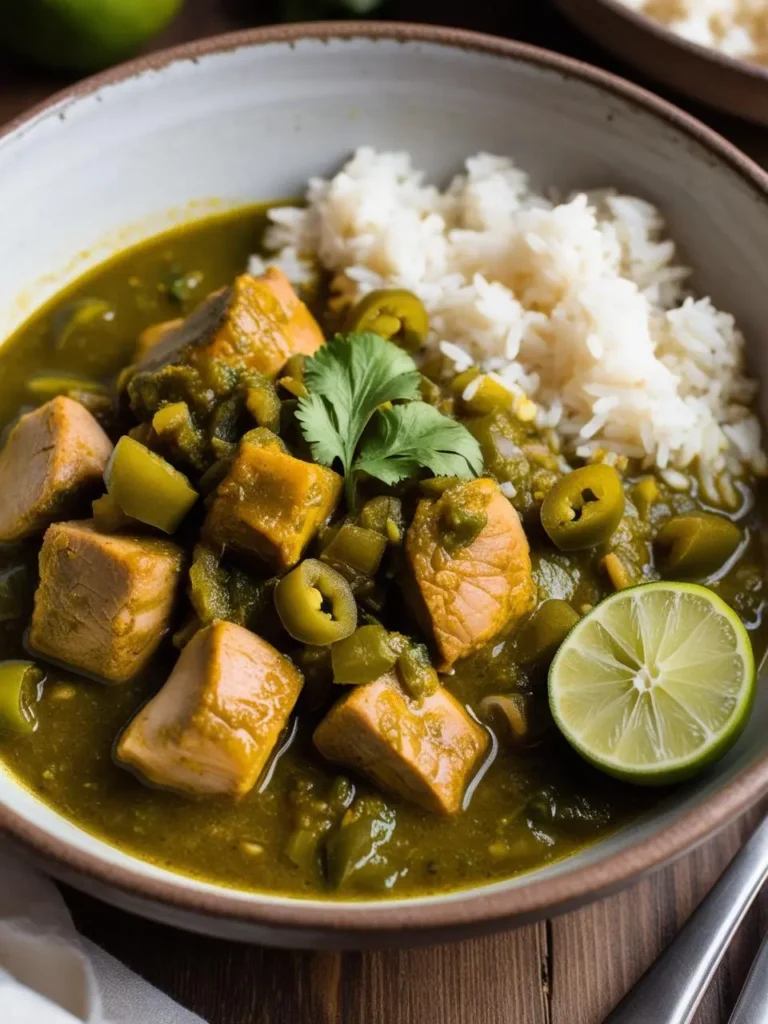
point(738, 28)
point(577, 306)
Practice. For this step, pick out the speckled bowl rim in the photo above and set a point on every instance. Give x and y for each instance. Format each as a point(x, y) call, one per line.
point(644, 23)
point(474, 909)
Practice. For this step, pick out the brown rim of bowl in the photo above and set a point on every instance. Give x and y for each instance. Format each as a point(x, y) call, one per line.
point(475, 906)
point(644, 23)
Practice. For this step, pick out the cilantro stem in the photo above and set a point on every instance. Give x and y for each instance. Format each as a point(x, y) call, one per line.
point(350, 491)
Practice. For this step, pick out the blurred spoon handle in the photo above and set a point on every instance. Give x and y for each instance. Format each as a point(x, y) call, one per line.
point(672, 987)
point(752, 1007)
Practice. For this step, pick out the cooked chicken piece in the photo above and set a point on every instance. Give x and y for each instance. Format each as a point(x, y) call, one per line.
point(212, 727)
point(105, 600)
point(153, 335)
point(424, 751)
point(257, 324)
point(271, 505)
point(471, 568)
point(51, 465)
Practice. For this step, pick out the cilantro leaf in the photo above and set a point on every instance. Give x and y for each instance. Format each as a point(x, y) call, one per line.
point(319, 429)
point(409, 437)
point(348, 379)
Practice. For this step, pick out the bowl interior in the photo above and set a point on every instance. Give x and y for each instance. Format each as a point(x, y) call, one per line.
point(249, 122)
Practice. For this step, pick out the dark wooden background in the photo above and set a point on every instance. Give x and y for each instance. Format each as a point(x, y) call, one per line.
point(570, 970)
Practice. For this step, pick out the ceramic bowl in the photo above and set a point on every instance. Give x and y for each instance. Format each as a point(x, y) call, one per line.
point(249, 117)
point(735, 86)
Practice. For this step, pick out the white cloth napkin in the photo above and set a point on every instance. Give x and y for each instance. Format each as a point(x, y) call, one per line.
point(51, 975)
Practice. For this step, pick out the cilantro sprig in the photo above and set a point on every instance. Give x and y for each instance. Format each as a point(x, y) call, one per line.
point(349, 379)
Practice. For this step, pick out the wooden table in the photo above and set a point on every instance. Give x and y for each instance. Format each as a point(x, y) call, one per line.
point(570, 970)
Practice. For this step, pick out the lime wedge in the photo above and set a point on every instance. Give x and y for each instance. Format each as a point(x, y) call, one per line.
point(655, 683)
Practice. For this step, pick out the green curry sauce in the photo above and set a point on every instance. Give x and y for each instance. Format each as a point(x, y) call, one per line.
point(525, 809)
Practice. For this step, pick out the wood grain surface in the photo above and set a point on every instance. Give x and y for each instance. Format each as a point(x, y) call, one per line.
point(570, 970)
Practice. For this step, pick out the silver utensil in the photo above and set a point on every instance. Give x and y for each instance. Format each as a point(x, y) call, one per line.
point(672, 987)
point(752, 1007)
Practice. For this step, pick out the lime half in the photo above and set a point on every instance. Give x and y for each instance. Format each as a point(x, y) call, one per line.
point(654, 683)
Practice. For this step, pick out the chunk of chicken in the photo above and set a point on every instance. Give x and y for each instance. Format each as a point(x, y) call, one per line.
point(51, 465)
point(466, 593)
point(424, 751)
point(105, 600)
point(271, 505)
point(212, 727)
point(256, 324)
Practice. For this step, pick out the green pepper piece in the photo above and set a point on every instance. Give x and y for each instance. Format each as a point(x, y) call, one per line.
point(417, 675)
point(463, 517)
point(177, 431)
point(353, 847)
point(542, 634)
point(583, 508)
point(316, 604)
point(19, 686)
point(49, 386)
point(355, 548)
point(392, 313)
point(385, 515)
point(487, 395)
point(436, 486)
point(363, 656)
point(430, 392)
point(146, 487)
point(644, 493)
point(696, 546)
point(109, 517)
point(14, 593)
point(208, 586)
point(261, 400)
point(76, 316)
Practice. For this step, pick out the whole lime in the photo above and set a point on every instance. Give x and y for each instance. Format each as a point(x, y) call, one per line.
point(82, 35)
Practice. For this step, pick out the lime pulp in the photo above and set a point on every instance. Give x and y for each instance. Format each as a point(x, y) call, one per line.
point(655, 683)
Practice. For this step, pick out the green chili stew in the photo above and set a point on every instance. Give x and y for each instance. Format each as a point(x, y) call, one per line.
point(279, 594)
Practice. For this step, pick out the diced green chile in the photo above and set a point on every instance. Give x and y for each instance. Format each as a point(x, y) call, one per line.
point(316, 604)
point(541, 635)
point(584, 508)
point(19, 685)
point(416, 672)
point(48, 386)
point(695, 546)
point(146, 487)
point(261, 400)
point(385, 515)
point(109, 517)
point(15, 591)
point(208, 586)
point(355, 548)
point(459, 526)
point(177, 431)
point(364, 656)
point(354, 847)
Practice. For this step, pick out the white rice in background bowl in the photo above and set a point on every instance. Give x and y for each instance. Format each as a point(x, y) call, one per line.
point(577, 306)
point(736, 28)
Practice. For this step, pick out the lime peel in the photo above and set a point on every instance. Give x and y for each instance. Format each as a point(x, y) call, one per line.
point(655, 683)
